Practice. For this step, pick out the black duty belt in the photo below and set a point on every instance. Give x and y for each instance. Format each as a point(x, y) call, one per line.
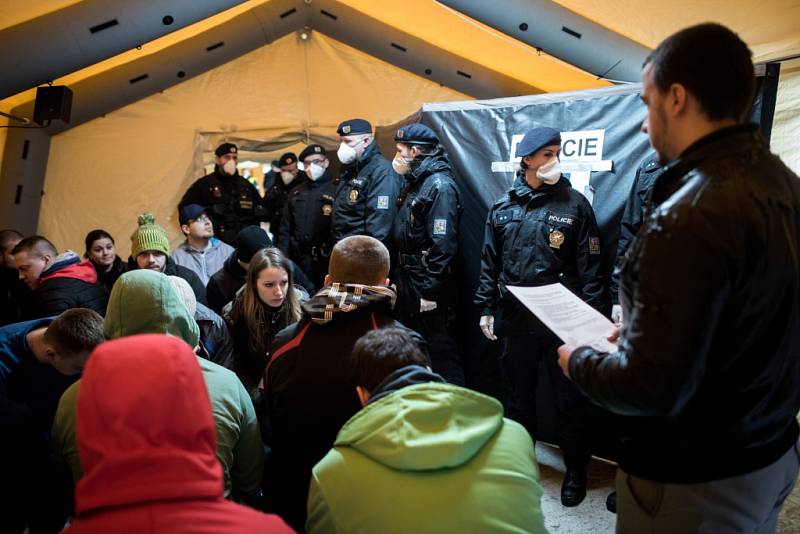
point(316, 251)
point(412, 260)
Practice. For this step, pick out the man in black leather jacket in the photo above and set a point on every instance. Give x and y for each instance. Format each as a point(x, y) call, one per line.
point(426, 242)
point(708, 358)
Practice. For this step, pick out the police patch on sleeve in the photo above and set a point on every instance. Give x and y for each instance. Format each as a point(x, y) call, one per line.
point(594, 245)
point(383, 202)
point(439, 226)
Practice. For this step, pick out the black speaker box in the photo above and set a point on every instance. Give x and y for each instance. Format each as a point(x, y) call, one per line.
point(52, 102)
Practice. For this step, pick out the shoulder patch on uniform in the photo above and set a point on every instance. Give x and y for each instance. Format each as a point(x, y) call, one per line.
point(439, 226)
point(383, 202)
point(594, 245)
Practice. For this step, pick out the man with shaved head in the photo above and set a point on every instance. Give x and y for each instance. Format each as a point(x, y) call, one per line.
point(309, 388)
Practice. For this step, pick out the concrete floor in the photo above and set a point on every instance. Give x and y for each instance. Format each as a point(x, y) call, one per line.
point(591, 517)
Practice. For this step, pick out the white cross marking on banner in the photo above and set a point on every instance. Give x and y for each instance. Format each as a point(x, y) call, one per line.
point(581, 154)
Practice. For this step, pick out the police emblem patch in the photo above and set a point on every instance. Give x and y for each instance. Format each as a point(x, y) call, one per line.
point(317, 149)
point(556, 239)
point(327, 209)
point(346, 129)
point(439, 226)
point(353, 196)
point(594, 245)
point(400, 133)
point(383, 202)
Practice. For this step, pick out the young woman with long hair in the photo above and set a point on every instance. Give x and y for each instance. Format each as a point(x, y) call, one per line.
point(267, 303)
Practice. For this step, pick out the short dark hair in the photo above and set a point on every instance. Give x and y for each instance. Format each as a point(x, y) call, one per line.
point(379, 353)
point(93, 236)
point(359, 259)
point(714, 65)
point(75, 331)
point(7, 236)
point(36, 243)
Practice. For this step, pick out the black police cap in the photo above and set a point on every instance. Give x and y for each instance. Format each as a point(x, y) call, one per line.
point(310, 150)
point(287, 159)
point(226, 148)
point(354, 127)
point(416, 134)
point(536, 139)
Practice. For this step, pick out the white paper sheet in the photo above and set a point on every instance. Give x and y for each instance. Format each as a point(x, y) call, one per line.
point(570, 318)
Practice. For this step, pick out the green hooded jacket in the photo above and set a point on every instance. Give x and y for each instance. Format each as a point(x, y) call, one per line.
point(144, 302)
point(430, 457)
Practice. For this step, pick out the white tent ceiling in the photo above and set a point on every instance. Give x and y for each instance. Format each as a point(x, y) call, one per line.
point(141, 157)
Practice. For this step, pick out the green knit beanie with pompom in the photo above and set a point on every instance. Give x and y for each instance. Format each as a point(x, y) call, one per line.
point(149, 236)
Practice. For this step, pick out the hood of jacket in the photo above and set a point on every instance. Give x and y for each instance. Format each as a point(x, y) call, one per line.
point(337, 299)
point(144, 428)
point(144, 302)
point(423, 426)
point(69, 265)
point(433, 163)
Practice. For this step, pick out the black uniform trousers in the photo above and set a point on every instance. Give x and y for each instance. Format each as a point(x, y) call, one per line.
point(436, 327)
point(522, 355)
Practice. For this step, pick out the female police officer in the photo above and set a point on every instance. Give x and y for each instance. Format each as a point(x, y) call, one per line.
point(540, 232)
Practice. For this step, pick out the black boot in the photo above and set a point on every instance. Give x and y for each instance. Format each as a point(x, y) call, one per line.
point(573, 489)
point(611, 502)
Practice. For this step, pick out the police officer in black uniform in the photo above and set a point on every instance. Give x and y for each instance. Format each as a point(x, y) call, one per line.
point(275, 197)
point(232, 201)
point(306, 227)
point(542, 231)
point(366, 195)
point(637, 204)
point(426, 241)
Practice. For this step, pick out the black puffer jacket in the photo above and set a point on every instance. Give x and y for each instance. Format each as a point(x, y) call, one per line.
point(107, 278)
point(708, 365)
point(366, 198)
point(426, 234)
point(538, 237)
point(68, 283)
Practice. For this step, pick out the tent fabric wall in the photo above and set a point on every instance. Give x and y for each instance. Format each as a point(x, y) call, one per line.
point(142, 157)
point(785, 140)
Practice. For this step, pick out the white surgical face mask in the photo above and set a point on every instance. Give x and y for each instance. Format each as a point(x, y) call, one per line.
point(346, 153)
point(230, 167)
point(287, 177)
point(401, 165)
point(550, 172)
point(315, 171)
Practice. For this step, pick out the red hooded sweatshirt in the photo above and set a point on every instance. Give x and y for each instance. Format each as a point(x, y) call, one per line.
point(147, 443)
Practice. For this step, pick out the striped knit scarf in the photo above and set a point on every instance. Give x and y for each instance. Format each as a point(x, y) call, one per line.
point(345, 298)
